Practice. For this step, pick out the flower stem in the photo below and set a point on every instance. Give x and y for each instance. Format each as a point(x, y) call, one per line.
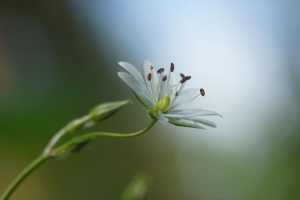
point(89, 136)
point(18, 180)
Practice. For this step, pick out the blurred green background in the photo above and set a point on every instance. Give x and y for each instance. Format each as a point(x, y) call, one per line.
point(58, 59)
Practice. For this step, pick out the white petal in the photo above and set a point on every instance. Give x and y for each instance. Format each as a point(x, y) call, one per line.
point(162, 117)
point(146, 71)
point(177, 122)
point(203, 121)
point(193, 112)
point(198, 120)
point(132, 70)
point(137, 87)
point(184, 97)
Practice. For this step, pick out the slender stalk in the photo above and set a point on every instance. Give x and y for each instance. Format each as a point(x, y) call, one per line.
point(124, 135)
point(20, 178)
point(89, 136)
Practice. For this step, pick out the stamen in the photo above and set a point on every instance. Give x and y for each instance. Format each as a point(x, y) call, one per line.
point(151, 87)
point(202, 92)
point(154, 83)
point(188, 77)
point(152, 90)
point(166, 84)
point(172, 67)
point(181, 88)
point(149, 77)
point(167, 88)
point(161, 70)
point(163, 88)
point(162, 93)
point(160, 83)
point(158, 88)
point(182, 75)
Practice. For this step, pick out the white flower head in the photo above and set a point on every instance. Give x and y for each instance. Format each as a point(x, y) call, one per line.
point(163, 96)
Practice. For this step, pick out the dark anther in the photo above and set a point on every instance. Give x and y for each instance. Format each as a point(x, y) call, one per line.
point(149, 77)
point(161, 70)
point(172, 67)
point(182, 75)
point(188, 77)
point(176, 94)
point(151, 67)
point(183, 80)
point(202, 92)
point(164, 78)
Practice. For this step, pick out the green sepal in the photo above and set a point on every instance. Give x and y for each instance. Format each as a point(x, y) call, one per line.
point(105, 110)
point(80, 146)
point(184, 124)
point(71, 147)
point(153, 115)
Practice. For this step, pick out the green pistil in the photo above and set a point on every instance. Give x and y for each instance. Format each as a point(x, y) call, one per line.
point(163, 104)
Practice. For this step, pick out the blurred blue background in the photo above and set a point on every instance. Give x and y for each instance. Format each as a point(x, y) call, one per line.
point(59, 59)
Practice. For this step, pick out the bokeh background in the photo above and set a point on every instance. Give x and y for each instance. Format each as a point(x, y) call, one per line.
point(58, 59)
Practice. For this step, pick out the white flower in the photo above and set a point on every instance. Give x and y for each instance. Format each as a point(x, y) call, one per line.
point(162, 96)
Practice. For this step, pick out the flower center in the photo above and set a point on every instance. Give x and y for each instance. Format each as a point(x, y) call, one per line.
point(165, 93)
point(163, 104)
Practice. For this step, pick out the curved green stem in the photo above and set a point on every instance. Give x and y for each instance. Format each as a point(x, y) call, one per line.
point(77, 140)
point(18, 180)
point(122, 135)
